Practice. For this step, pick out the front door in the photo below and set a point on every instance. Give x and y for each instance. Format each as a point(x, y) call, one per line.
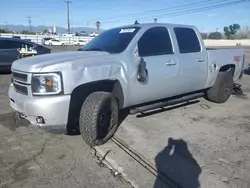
point(155, 48)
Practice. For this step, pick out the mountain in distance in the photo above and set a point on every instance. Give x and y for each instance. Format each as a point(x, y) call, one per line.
point(40, 28)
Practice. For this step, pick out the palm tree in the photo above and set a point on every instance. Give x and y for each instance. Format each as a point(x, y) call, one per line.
point(98, 26)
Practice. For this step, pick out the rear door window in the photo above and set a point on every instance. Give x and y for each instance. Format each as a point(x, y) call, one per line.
point(187, 40)
point(12, 44)
point(1, 44)
point(9, 44)
point(155, 41)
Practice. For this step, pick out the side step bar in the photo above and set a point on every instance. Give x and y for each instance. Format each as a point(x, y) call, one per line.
point(166, 103)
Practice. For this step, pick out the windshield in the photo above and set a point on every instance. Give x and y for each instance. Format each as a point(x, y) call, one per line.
point(112, 41)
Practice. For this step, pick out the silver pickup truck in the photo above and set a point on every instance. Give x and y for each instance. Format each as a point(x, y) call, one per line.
point(137, 67)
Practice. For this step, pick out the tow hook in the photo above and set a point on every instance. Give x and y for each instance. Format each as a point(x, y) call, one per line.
point(22, 116)
point(237, 89)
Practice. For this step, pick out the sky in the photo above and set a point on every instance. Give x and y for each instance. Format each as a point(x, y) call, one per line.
point(113, 13)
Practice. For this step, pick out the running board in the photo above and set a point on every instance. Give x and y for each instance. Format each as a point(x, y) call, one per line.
point(166, 103)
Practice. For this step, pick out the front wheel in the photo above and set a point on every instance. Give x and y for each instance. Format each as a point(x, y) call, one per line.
point(98, 118)
point(63, 44)
point(222, 89)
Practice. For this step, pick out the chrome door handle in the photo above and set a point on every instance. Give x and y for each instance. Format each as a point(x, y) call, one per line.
point(200, 60)
point(171, 62)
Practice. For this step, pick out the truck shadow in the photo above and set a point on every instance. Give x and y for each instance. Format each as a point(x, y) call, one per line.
point(123, 114)
point(176, 166)
point(11, 120)
point(168, 108)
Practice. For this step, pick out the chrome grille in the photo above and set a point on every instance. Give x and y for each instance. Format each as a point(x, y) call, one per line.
point(20, 77)
point(21, 89)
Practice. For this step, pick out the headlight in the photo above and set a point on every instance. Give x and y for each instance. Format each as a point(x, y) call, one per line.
point(46, 84)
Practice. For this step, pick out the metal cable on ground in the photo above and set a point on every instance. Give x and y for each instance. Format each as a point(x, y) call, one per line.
point(145, 163)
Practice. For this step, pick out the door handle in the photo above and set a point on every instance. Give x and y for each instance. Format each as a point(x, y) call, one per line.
point(171, 62)
point(200, 60)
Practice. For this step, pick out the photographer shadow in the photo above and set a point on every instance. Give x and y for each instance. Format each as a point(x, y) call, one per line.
point(176, 166)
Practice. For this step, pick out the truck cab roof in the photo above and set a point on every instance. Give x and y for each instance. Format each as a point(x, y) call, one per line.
point(147, 25)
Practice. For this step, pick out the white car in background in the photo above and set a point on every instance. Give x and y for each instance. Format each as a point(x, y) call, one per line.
point(93, 34)
point(80, 42)
point(68, 34)
point(54, 42)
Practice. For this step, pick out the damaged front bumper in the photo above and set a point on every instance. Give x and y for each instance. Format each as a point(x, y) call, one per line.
point(48, 111)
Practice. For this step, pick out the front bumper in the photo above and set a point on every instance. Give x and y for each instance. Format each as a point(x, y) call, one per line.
point(52, 109)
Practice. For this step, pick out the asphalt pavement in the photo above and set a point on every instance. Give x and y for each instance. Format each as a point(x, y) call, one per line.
point(196, 144)
point(201, 144)
point(30, 157)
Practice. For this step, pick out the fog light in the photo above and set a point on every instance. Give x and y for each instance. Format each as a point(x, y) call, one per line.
point(40, 120)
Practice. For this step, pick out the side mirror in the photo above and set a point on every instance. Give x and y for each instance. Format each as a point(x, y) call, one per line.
point(142, 72)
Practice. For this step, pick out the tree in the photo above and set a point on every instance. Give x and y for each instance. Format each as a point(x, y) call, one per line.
point(3, 31)
point(45, 31)
point(98, 26)
point(204, 35)
point(215, 35)
point(26, 32)
point(231, 31)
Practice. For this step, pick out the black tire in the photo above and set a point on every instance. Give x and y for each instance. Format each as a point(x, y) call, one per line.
point(222, 88)
point(96, 107)
point(63, 44)
point(50, 44)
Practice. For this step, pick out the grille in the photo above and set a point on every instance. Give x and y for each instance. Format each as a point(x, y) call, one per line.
point(20, 77)
point(21, 89)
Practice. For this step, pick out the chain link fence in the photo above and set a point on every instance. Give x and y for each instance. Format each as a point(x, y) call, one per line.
point(38, 38)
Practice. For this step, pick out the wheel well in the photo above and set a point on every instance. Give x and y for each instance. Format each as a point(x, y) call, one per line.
point(229, 67)
point(80, 93)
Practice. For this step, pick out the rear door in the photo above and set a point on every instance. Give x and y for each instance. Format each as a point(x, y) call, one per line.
point(8, 52)
point(156, 48)
point(192, 58)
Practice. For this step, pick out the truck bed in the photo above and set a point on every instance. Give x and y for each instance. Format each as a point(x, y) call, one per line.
point(222, 56)
point(223, 48)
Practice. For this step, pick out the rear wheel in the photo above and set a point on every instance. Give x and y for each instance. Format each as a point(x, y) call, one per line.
point(98, 118)
point(50, 44)
point(63, 44)
point(222, 89)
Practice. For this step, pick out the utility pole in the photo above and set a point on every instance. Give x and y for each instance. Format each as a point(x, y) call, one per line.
point(68, 2)
point(6, 26)
point(29, 20)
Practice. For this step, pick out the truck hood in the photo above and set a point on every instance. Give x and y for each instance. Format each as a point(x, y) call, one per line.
point(36, 63)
